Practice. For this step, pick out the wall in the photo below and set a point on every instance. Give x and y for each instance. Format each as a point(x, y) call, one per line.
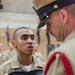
point(17, 6)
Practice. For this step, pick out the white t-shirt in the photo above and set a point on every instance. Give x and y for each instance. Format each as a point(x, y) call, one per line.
point(28, 67)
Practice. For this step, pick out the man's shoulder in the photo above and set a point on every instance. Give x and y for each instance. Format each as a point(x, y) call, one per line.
point(8, 62)
point(9, 65)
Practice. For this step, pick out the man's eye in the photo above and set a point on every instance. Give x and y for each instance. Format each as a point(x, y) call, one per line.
point(32, 38)
point(24, 38)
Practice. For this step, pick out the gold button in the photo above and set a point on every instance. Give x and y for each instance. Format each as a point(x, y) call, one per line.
point(55, 6)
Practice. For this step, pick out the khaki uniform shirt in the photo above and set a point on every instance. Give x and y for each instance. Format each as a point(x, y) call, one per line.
point(14, 65)
point(39, 56)
point(3, 58)
point(68, 48)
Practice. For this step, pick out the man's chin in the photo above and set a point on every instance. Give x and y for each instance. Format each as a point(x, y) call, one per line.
point(58, 39)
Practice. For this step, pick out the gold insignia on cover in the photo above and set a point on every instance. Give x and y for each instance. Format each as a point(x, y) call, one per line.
point(55, 6)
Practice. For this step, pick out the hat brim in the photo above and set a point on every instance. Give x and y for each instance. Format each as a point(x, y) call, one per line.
point(41, 24)
point(46, 10)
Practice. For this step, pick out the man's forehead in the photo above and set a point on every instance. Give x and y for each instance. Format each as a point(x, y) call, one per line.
point(25, 31)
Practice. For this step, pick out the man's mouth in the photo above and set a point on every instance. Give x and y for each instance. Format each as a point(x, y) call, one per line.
point(30, 47)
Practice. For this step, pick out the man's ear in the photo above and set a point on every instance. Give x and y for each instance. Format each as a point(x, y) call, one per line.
point(64, 15)
point(14, 43)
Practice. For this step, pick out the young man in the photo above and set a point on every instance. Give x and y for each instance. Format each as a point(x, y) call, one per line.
point(59, 17)
point(24, 42)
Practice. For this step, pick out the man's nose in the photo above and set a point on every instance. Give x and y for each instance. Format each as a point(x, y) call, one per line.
point(30, 40)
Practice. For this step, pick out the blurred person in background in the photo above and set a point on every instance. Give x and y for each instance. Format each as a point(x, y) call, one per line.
point(3, 58)
point(24, 42)
point(37, 53)
point(54, 46)
point(10, 52)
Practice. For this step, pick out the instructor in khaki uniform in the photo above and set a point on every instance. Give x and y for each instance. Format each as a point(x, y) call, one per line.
point(24, 42)
point(59, 17)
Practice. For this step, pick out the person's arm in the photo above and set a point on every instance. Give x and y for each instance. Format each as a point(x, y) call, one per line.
point(56, 67)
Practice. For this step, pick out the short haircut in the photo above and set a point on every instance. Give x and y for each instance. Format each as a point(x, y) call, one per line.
point(14, 34)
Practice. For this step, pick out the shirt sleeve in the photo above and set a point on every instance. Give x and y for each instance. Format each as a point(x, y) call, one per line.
point(56, 67)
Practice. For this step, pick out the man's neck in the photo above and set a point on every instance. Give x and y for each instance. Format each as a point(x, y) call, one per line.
point(25, 60)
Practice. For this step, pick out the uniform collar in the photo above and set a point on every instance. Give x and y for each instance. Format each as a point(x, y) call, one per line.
point(70, 36)
point(37, 62)
point(15, 64)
